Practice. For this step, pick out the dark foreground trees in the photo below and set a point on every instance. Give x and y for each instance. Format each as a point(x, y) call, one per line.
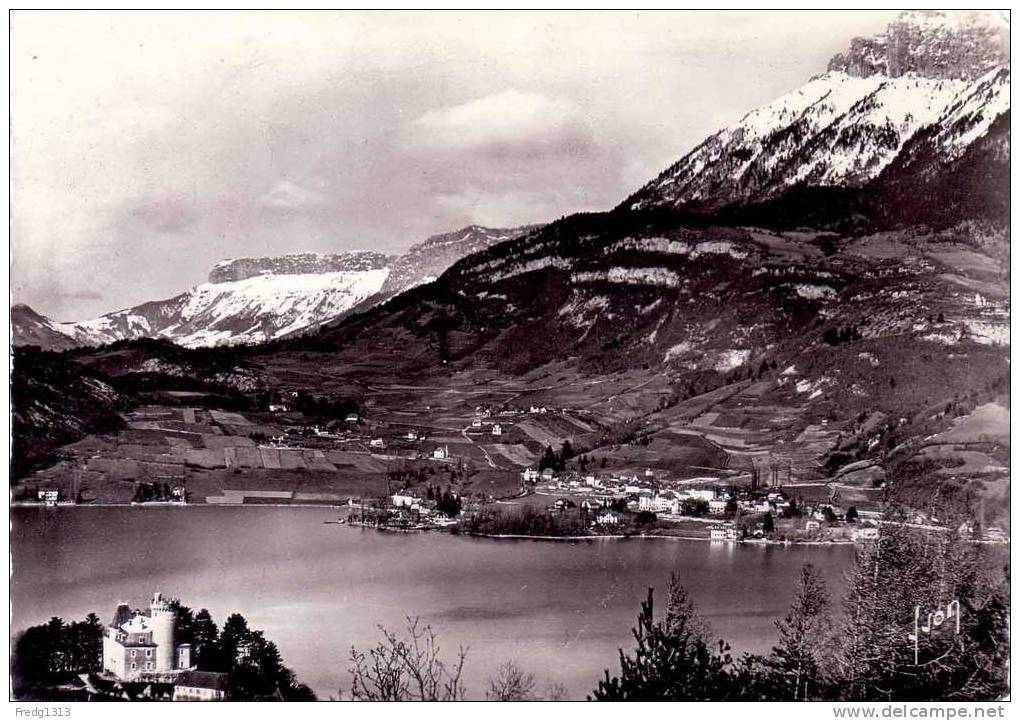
point(54, 652)
point(867, 655)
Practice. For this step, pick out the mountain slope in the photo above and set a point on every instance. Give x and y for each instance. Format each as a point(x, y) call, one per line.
point(958, 167)
point(426, 261)
point(30, 328)
point(56, 401)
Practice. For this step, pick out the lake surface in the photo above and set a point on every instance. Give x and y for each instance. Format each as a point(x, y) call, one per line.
point(559, 609)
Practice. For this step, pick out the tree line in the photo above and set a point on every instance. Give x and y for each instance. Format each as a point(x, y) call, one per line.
point(864, 654)
point(54, 652)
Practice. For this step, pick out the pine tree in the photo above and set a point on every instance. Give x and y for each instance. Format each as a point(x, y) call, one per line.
point(672, 661)
point(792, 671)
point(548, 459)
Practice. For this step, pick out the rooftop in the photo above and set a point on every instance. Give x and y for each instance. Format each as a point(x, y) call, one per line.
point(203, 679)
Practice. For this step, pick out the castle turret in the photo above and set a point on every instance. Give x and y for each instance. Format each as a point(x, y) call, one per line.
point(162, 619)
point(121, 616)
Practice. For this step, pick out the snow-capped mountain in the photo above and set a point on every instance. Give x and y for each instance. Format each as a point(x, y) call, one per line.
point(253, 300)
point(845, 127)
point(250, 310)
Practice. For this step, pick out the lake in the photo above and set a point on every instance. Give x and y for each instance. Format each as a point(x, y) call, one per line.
point(559, 609)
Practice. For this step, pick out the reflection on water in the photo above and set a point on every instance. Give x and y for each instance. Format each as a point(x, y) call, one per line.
point(560, 609)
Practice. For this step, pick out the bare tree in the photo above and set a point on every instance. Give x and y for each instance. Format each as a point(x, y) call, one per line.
point(556, 692)
point(511, 683)
point(406, 669)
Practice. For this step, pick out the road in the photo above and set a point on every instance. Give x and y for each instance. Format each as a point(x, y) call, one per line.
point(488, 458)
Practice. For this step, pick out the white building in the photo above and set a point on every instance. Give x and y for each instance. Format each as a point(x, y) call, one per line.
point(723, 533)
point(138, 643)
point(403, 500)
point(660, 503)
point(200, 686)
point(441, 453)
point(377, 443)
point(497, 430)
point(49, 496)
point(530, 474)
point(865, 534)
point(717, 506)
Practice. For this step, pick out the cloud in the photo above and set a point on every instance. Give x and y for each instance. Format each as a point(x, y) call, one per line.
point(507, 158)
point(289, 196)
point(163, 215)
point(506, 123)
point(77, 295)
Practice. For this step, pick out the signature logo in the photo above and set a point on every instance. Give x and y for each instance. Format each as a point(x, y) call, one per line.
point(935, 619)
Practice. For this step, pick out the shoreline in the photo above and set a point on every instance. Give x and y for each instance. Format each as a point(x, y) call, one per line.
point(452, 532)
point(597, 537)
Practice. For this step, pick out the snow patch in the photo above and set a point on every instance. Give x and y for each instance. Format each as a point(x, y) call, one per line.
point(630, 276)
point(727, 360)
point(814, 292)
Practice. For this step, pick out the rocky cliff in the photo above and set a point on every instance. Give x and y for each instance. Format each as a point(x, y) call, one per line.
point(932, 44)
point(355, 261)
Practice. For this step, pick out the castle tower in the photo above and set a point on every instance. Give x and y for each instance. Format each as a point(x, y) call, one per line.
point(162, 620)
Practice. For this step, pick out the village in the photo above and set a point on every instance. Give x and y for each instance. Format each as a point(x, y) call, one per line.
point(476, 470)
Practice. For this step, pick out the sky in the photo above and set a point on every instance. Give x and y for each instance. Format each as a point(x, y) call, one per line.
point(147, 146)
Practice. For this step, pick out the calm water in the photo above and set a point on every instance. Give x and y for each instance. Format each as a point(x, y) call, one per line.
point(559, 609)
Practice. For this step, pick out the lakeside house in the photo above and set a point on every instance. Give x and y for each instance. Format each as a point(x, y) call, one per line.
point(723, 532)
point(200, 686)
point(865, 534)
point(49, 496)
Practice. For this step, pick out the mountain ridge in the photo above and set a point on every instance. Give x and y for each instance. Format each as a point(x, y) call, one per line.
point(251, 300)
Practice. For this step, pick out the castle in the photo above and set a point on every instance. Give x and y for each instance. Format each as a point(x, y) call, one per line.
point(141, 644)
